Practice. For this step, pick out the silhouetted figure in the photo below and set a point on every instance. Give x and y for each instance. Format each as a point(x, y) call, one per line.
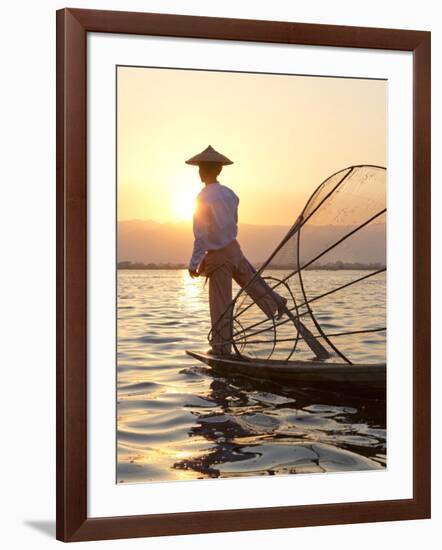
point(217, 253)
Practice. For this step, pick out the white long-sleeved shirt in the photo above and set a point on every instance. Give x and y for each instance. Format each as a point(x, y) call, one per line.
point(214, 221)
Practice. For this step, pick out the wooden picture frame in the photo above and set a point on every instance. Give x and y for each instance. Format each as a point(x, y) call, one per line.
point(73, 523)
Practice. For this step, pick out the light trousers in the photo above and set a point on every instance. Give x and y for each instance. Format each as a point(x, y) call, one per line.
point(221, 267)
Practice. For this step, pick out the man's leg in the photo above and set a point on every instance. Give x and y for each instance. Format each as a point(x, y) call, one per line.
point(220, 298)
point(269, 301)
point(264, 296)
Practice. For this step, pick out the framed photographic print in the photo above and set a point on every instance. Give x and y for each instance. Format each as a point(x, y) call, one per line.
point(243, 274)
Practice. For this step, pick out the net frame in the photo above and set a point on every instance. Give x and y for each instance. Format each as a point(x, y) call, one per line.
point(310, 208)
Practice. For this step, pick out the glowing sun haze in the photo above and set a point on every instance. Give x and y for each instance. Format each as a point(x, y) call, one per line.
point(284, 133)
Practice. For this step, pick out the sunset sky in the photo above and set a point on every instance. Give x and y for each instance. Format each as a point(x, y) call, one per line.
point(284, 133)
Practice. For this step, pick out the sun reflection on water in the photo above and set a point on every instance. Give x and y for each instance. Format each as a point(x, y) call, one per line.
point(192, 291)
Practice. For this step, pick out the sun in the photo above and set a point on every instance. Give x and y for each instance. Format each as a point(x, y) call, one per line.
point(184, 204)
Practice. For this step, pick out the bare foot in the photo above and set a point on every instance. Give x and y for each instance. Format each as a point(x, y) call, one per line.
point(281, 309)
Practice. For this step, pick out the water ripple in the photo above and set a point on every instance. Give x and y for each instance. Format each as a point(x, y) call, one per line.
point(176, 420)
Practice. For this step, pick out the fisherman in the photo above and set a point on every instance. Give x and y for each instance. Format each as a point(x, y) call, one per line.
point(217, 253)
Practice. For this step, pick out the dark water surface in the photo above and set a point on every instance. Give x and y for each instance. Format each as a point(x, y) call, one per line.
point(178, 420)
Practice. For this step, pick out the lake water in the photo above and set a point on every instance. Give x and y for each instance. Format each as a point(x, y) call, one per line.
point(178, 420)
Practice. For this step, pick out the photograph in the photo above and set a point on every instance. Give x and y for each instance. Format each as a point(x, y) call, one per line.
point(251, 273)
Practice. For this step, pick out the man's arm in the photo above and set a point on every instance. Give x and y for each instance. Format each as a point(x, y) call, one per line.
point(236, 208)
point(200, 231)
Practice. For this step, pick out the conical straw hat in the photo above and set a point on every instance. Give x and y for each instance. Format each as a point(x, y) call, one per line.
point(209, 155)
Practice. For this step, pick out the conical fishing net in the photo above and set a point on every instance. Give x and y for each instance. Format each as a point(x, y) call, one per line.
point(330, 267)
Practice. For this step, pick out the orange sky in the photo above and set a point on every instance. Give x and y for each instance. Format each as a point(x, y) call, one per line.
point(284, 133)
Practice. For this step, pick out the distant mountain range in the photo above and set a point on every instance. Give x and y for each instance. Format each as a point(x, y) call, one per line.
point(147, 241)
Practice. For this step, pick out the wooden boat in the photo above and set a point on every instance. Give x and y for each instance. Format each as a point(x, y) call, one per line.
point(300, 373)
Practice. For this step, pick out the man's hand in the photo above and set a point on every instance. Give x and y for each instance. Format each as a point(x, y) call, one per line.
point(193, 273)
